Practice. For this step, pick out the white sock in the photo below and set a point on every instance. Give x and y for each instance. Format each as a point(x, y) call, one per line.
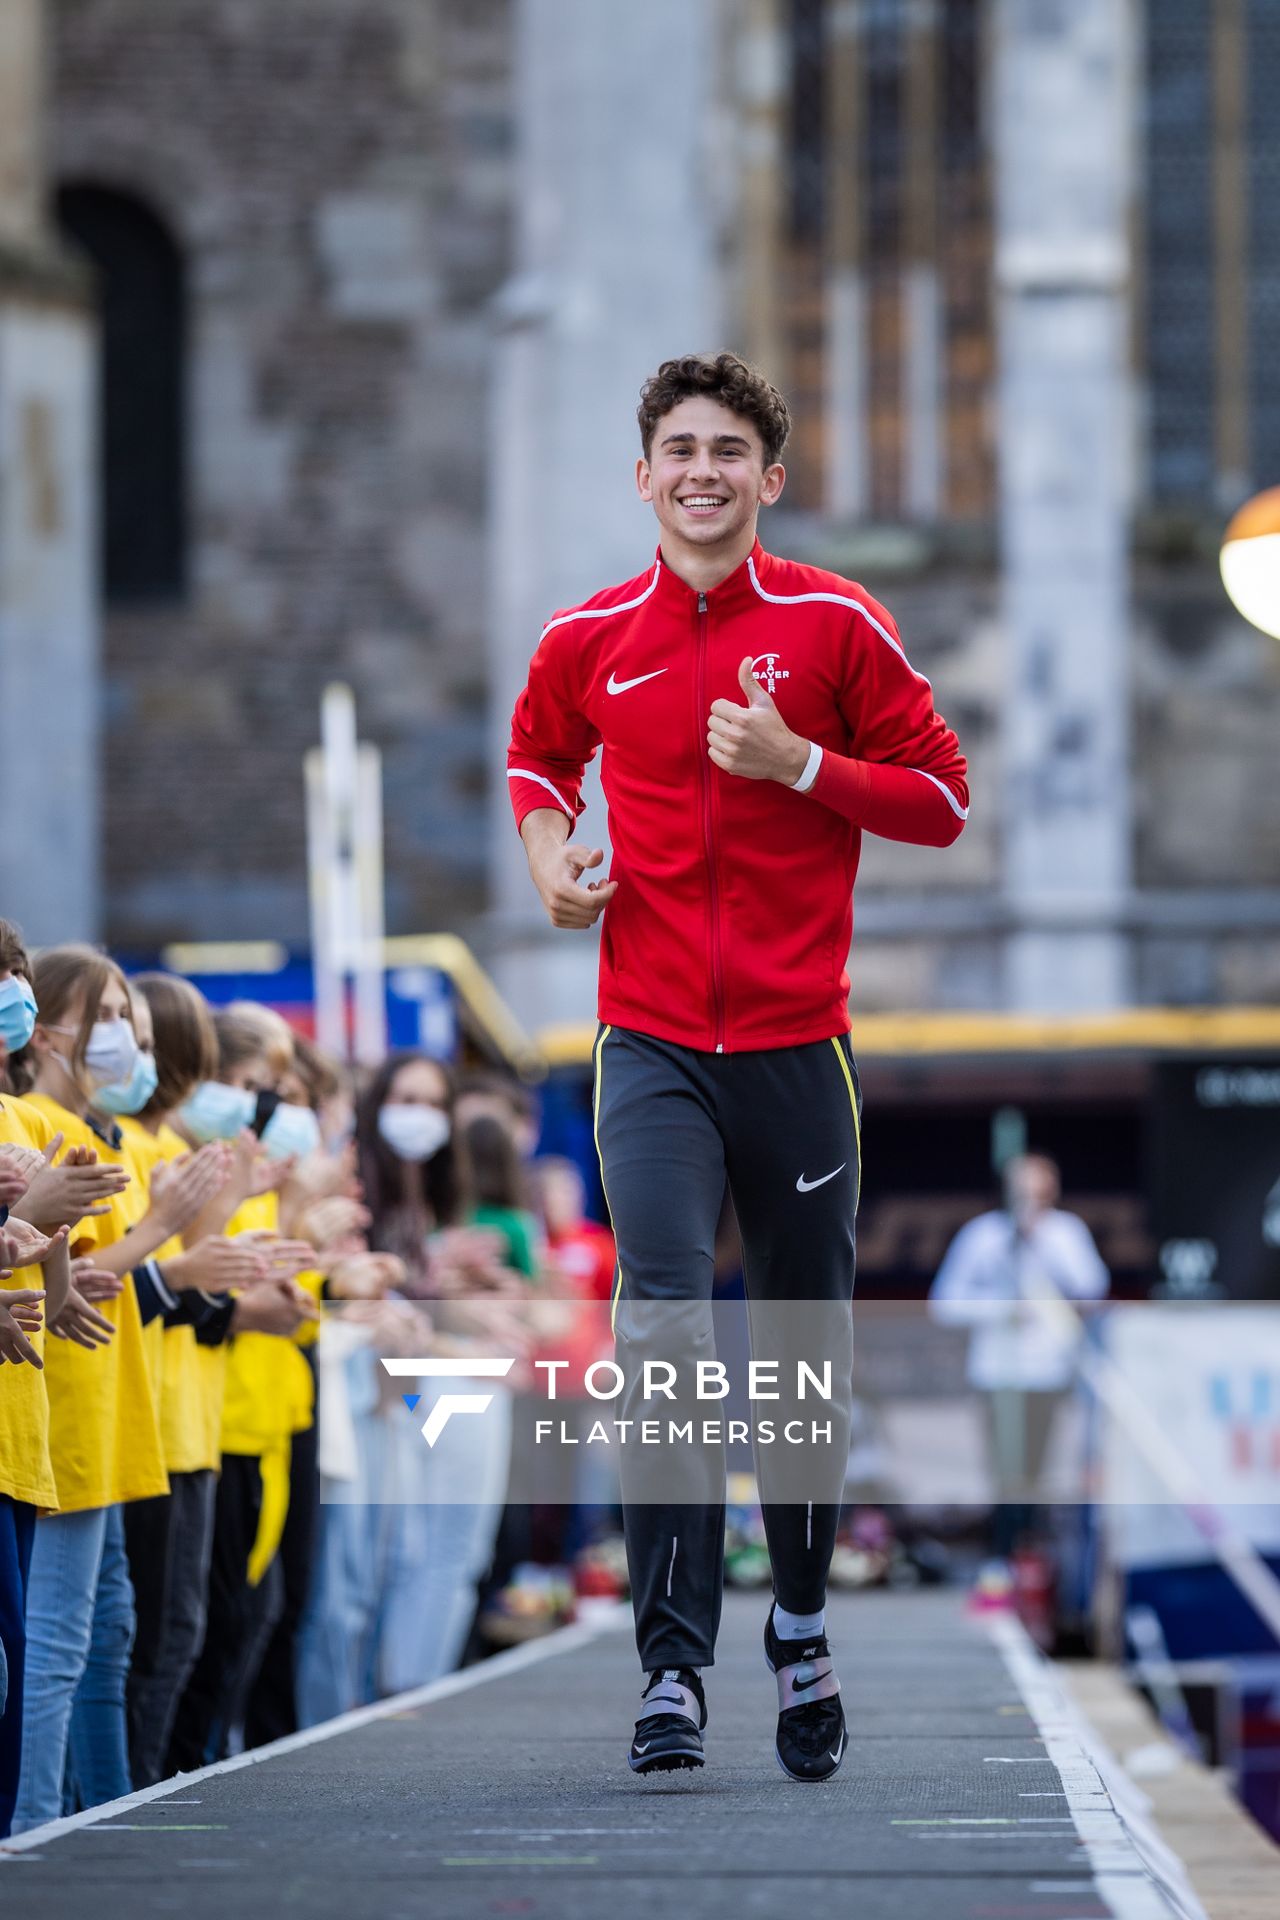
point(798, 1626)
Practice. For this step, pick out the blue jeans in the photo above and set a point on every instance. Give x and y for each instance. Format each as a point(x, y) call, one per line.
point(79, 1635)
point(334, 1651)
point(441, 1540)
point(336, 1654)
point(17, 1528)
point(402, 1550)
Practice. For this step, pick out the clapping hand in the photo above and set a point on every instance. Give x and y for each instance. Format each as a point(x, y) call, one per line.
point(78, 1188)
point(95, 1283)
point(180, 1189)
point(81, 1323)
point(365, 1276)
point(25, 1245)
point(20, 1314)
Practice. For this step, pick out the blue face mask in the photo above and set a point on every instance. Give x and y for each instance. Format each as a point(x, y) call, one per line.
point(218, 1112)
point(291, 1130)
point(17, 1012)
point(131, 1095)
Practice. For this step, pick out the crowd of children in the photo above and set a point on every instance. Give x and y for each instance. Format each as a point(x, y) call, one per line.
point(216, 1522)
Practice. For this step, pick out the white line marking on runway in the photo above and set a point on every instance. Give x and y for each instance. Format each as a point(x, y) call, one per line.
point(563, 1640)
point(1061, 1886)
point(1135, 1872)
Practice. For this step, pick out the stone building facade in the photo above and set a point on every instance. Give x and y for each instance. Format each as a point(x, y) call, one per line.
point(422, 259)
point(334, 178)
point(49, 636)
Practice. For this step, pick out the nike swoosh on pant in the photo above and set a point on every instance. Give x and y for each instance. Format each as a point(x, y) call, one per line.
point(614, 685)
point(807, 1186)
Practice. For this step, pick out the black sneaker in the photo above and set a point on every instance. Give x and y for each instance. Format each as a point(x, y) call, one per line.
point(669, 1730)
point(811, 1732)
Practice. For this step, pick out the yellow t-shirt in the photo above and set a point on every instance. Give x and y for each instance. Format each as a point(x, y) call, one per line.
point(104, 1435)
point(192, 1376)
point(141, 1156)
point(270, 1393)
point(270, 1397)
point(26, 1471)
point(190, 1402)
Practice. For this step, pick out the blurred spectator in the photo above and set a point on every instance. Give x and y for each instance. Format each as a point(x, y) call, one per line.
point(1021, 1356)
point(580, 1502)
point(497, 1189)
point(402, 1556)
point(500, 1096)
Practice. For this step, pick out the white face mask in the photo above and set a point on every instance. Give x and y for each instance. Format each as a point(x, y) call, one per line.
point(413, 1132)
point(112, 1052)
point(218, 1112)
point(291, 1130)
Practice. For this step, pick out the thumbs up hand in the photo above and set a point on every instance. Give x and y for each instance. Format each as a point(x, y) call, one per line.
point(754, 742)
point(756, 695)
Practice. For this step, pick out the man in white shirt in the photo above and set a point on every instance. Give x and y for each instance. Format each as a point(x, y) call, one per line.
point(996, 1274)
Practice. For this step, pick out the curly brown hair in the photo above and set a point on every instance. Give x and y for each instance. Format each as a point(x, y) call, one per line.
point(723, 377)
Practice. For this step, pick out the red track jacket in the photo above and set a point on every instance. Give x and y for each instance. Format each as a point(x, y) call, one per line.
point(734, 911)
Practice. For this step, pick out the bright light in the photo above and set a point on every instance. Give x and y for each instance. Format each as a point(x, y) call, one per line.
point(1251, 561)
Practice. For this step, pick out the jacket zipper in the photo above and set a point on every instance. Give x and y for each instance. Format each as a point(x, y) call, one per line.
point(717, 969)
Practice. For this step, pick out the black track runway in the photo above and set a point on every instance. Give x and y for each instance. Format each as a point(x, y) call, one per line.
point(512, 1796)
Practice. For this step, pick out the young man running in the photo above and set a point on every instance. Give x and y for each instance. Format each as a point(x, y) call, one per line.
point(758, 716)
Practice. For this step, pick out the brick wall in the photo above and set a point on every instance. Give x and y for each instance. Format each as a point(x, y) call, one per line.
point(336, 174)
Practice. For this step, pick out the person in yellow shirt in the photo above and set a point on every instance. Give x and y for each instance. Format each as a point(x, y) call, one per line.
point(269, 1394)
point(55, 1198)
point(25, 1472)
point(104, 1438)
point(169, 1537)
point(27, 1147)
point(26, 1477)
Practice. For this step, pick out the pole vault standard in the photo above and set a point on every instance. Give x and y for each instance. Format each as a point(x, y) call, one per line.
point(345, 883)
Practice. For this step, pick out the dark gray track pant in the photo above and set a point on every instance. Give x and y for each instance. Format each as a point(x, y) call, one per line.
point(783, 1128)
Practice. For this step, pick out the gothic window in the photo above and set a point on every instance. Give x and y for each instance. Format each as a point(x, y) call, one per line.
point(142, 315)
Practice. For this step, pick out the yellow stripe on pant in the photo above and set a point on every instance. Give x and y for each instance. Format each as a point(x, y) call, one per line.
point(853, 1102)
point(595, 1129)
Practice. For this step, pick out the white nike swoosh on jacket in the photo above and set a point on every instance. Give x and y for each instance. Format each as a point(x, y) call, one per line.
point(615, 685)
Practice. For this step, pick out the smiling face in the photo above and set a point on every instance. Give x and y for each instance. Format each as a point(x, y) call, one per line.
point(706, 480)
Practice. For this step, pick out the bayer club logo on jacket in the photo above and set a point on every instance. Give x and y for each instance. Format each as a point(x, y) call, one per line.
point(766, 670)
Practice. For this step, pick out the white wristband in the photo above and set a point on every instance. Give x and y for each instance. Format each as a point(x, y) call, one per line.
point(811, 766)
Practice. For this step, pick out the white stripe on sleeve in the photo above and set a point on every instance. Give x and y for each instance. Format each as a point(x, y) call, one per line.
point(523, 773)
